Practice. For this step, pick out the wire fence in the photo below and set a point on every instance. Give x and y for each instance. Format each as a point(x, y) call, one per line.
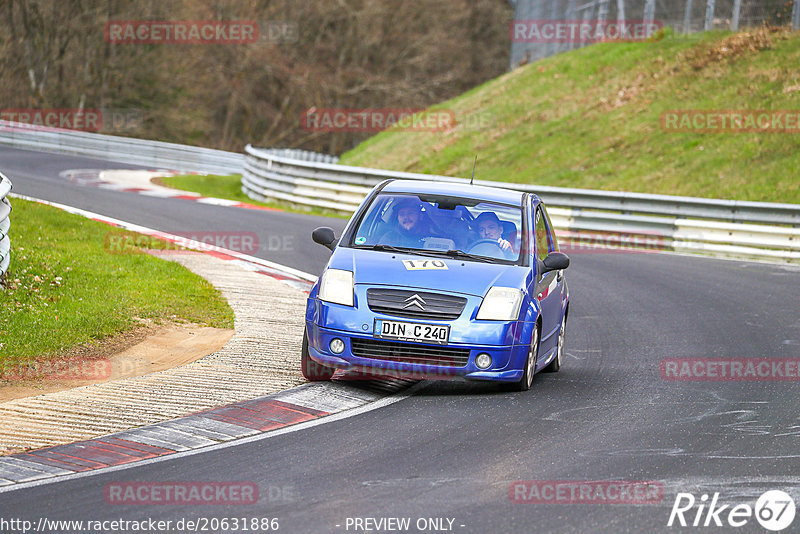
point(533, 38)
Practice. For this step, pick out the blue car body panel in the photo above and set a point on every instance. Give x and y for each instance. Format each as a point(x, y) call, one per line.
point(466, 277)
point(545, 300)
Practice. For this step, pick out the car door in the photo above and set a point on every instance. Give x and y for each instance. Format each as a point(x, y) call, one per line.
point(548, 289)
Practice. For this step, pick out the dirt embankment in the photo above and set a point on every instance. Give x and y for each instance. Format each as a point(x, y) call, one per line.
point(145, 350)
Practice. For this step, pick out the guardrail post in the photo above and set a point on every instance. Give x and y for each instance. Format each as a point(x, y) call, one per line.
point(796, 15)
point(737, 9)
point(555, 48)
point(570, 15)
point(709, 24)
point(602, 11)
point(687, 17)
point(649, 11)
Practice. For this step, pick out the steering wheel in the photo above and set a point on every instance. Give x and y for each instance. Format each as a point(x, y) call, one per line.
point(480, 243)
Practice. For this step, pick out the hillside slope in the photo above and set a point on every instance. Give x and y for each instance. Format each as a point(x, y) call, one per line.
point(591, 118)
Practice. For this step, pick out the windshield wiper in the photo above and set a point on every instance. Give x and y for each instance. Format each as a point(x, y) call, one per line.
point(456, 253)
point(453, 253)
point(406, 250)
point(385, 248)
point(401, 250)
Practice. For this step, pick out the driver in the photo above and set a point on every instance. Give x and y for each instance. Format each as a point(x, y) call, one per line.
point(489, 227)
point(410, 227)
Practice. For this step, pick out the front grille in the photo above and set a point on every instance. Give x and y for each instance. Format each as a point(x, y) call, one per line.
point(415, 304)
point(409, 352)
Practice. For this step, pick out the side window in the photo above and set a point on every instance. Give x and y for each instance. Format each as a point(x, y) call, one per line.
point(551, 232)
point(542, 241)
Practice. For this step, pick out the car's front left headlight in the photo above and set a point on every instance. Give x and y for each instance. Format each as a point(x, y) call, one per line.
point(500, 304)
point(337, 286)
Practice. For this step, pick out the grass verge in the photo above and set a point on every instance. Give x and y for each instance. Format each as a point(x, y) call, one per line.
point(591, 118)
point(64, 290)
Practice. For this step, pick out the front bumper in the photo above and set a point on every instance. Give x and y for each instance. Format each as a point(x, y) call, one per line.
point(507, 360)
point(507, 342)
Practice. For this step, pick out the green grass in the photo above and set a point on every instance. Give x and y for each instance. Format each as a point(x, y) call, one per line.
point(64, 288)
point(590, 118)
point(230, 188)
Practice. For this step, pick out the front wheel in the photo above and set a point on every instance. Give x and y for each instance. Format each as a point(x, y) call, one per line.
point(312, 370)
point(525, 382)
point(555, 365)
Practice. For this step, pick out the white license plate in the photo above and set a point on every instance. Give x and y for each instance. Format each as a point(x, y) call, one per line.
point(428, 333)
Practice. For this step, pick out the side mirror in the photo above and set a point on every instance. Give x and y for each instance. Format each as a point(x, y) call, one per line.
point(325, 237)
point(555, 261)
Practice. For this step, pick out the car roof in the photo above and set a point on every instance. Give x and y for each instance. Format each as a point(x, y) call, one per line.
point(456, 189)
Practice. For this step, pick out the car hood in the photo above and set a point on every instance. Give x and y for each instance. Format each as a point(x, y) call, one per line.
point(461, 276)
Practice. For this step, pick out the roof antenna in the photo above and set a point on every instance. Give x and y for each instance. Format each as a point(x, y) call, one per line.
point(473, 169)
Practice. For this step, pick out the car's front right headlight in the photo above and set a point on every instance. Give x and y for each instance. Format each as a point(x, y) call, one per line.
point(336, 286)
point(500, 304)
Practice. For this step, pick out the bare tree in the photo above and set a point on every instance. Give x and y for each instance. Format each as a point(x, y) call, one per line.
point(343, 53)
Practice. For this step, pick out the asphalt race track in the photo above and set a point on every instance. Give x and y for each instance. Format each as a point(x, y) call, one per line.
point(452, 450)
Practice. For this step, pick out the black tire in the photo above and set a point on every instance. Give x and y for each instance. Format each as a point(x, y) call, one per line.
point(525, 382)
point(312, 370)
point(555, 365)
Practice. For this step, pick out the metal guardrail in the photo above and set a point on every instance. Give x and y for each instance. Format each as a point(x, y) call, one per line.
point(152, 154)
point(139, 151)
point(721, 227)
point(302, 155)
point(686, 224)
point(5, 225)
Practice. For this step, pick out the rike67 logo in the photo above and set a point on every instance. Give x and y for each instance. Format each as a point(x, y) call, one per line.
point(774, 510)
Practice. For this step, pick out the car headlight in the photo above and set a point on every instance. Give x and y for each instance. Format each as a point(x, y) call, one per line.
point(500, 304)
point(337, 287)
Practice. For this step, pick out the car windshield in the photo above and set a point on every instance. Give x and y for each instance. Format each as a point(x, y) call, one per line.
point(442, 225)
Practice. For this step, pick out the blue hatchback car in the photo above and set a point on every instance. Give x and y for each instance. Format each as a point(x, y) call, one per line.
point(438, 279)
